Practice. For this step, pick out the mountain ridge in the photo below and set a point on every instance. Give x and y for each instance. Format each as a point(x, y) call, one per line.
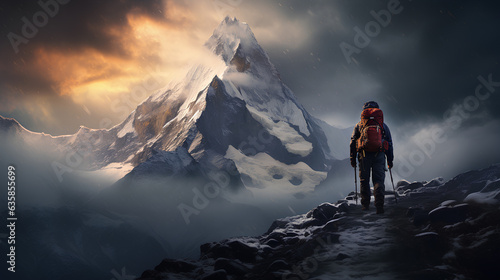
point(235, 101)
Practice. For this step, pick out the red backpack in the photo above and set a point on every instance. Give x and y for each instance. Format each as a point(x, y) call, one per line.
point(371, 128)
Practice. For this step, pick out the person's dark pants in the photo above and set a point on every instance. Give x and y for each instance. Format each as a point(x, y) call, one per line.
point(374, 163)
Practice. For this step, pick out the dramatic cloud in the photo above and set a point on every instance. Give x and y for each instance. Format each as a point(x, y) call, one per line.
point(94, 61)
point(98, 57)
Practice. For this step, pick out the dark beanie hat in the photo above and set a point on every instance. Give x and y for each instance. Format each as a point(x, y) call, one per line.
point(370, 104)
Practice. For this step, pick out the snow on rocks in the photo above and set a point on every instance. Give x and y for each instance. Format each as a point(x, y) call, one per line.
point(272, 255)
point(454, 240)
point(490, 194)
point(293, 141)
point(263, 172)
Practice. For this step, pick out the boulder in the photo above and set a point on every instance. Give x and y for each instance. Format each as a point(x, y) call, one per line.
point(449, 214)
point(434, 182)
point(402, 183)
point(323, 212)
point(273, 243)
point(242, 251)
point(277, 224)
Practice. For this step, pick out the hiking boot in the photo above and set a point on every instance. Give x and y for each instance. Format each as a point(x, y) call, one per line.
point(380, 210)
point(365, 207)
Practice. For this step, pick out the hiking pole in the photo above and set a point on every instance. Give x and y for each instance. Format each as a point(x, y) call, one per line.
point(394, 189)
point(355, 185)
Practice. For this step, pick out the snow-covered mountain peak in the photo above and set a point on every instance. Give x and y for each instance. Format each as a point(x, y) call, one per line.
point(236, 44)
point(232, 100)
point(230, 36)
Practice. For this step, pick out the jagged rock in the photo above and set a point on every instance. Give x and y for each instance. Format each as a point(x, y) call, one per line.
point(323, 212)
point(229, 249)
point(402, 183)
point(312, 223)
point(441, 245)
point(276, 224)
point(242, 251)
point(434, 182)
point(342, 208)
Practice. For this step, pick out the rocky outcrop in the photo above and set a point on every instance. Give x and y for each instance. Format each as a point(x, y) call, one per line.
point(423, 236)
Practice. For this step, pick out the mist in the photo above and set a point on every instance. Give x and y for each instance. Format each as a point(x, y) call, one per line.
point(89, 225)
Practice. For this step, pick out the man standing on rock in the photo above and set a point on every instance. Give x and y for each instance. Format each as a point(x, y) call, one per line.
point(371, 142)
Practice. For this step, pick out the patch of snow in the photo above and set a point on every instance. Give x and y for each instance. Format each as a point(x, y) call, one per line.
point(195, 116)
point(127, 128)
point(448, 203)
point(113, 171)
point(365, 242)
point(430, 233)
point(267, 173)
point(293, 141)
point(484, 198)
point(437, 209)
point(168, 123)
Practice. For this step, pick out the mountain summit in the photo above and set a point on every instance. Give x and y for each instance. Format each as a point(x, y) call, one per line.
point(234, 113)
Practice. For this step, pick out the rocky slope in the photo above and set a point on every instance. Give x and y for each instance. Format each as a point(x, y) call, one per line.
point(436, 230)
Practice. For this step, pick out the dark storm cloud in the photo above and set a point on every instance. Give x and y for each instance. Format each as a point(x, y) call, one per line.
point(74, 27)
point(424, 61)
point(30, 83)
point(80, 24)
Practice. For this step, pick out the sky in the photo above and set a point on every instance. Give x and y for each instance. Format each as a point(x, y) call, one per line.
point(431, 65)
